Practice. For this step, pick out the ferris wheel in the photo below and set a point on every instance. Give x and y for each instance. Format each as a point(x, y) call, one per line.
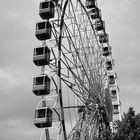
point(77, 81)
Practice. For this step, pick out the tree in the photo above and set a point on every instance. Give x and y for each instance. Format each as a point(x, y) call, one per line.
point(129, 127)
point(137, 127)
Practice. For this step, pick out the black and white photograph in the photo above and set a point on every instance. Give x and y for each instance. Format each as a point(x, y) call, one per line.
point(70, 70)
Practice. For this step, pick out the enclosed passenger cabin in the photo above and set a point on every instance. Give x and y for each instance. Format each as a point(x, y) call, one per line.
point(95, 13)
point(76, 136)
point(114, 94)
point(41, 85)
point(43, 30)
point(103, 38)
point(41, 56)
point(111, 79)
point(99, 25)
point(109, 65)
point(43, 117)
point(90, 4)
point(46, 9)
point(116, 109)
point(106, 51)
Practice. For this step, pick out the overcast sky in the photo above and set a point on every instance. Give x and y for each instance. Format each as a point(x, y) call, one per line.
point(17, 40)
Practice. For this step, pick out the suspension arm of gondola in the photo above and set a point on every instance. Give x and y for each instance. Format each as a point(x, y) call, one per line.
point(55, 32)
point(54, 57)
point(59, 69)
point(55, 84)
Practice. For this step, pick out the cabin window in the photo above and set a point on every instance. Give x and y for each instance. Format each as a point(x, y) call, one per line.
point(48, 4)
point(114, 92)
point(115, 107)
point(42, 50)
point(39, 51)
point(105, 49)
point(44, 5)
point(95, 10)
point(41, 113)
point(41, 25)
point(39, 80)
point(111, 76)
point(109, 63)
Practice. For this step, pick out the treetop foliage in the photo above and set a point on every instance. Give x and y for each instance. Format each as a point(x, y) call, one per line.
point(129, 127)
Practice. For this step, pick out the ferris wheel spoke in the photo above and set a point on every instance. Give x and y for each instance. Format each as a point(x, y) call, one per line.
point(75, 128)
point(76, 50)
point(80, 61)
point(78, 80)
point(87, 61)
point(78, 93)
point(76, 77)
point(88, 16)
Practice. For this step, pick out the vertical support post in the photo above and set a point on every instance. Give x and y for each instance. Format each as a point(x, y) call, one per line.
point(60, 87)
point(43, 67)
point(59, 71)
point(47, 134)
point(46, 129)
point(43, 101)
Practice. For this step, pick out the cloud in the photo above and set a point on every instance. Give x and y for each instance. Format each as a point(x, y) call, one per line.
point(17, 129)
point(17, 40)
point(17, 106)
point(9, 79)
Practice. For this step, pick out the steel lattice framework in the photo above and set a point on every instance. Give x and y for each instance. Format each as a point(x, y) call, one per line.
point(83, 94)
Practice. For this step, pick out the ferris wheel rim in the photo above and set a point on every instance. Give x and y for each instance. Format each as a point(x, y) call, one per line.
point(62, 23)
point(85, 77)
